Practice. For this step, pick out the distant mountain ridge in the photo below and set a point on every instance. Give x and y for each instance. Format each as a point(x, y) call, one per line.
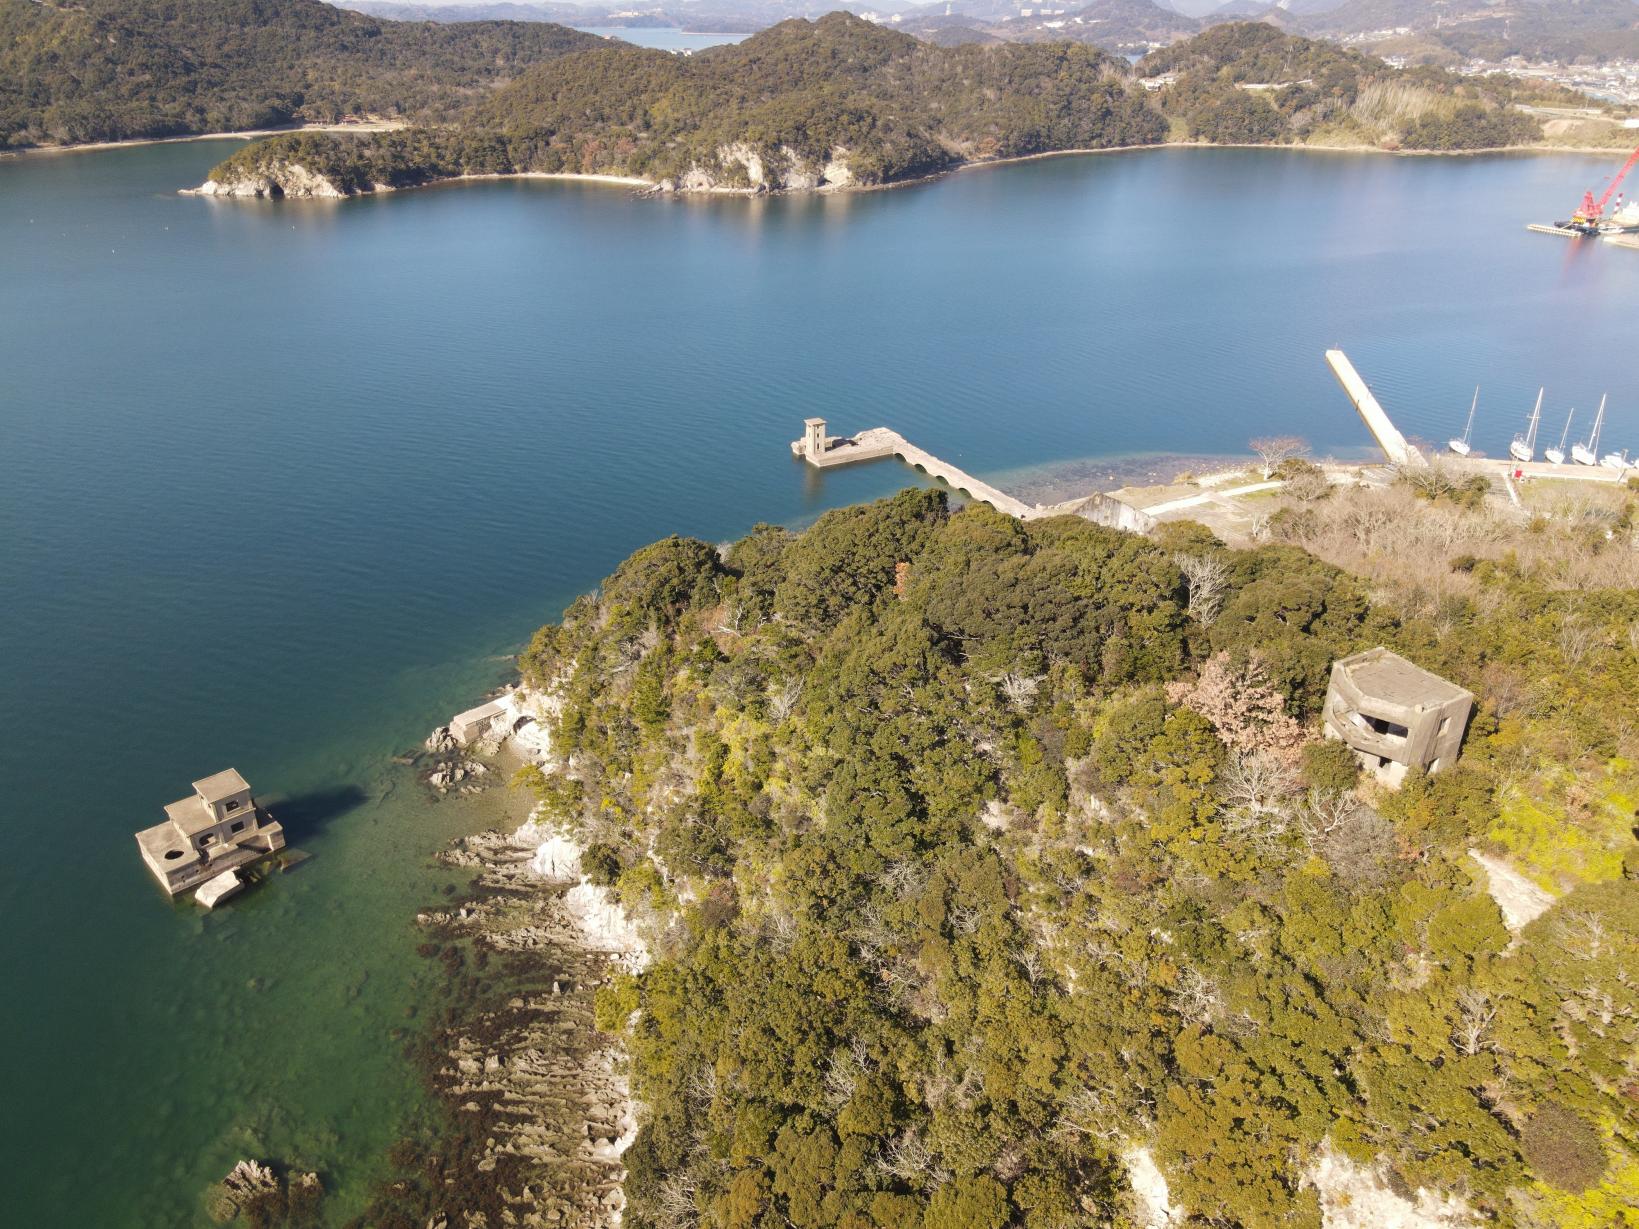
point(1123, 26)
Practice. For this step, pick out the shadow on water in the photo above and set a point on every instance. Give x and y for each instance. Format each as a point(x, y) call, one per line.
point(307, 815)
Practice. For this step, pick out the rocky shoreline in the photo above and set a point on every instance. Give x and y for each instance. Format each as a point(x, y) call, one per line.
point(790, 176)
point(537, 1095)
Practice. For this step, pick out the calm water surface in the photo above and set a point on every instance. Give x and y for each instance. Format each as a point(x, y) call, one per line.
point(665, 38)
point(281, 485)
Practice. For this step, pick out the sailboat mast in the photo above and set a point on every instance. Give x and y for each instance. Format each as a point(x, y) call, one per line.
point(1469, 430)
point(1598, 421)
point(1536, 415)
point(1566, 434)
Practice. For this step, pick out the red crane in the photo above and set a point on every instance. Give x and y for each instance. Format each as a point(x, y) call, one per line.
point(1591, 213)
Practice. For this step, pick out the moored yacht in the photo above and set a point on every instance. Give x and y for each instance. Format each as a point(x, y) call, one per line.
point(1524, 447)
point(1588, 453)
point(1556, 456)
point(1461, 447)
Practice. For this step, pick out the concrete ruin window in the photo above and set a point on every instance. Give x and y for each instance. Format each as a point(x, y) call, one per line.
point(237, 826)
point(171, 855)
point(207, 839)
point(233, 804)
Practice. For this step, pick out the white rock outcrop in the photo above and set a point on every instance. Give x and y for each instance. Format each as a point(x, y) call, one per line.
point(1353, 1196)
point(783, 170)
point(1149, 1188)
point(282, 179)
point(1521, 901)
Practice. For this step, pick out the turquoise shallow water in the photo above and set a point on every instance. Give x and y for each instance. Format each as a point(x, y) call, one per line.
point(281, 485)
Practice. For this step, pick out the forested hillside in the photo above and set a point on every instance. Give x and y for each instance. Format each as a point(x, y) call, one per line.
point(987, 860)
point(1246, 82)
point(777, 110)
point(99, 70)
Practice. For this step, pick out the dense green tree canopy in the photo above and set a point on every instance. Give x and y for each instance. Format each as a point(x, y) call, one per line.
point(956, 903)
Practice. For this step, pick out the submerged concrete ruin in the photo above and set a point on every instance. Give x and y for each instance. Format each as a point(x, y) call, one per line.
point(208, 836)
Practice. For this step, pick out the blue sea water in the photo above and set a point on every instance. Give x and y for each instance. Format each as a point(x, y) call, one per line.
point(283, 484)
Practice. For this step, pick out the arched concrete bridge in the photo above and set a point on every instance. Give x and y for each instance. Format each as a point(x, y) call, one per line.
point(824, 451)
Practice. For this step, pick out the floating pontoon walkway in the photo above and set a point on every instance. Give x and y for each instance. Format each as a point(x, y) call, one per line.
point(823, 451)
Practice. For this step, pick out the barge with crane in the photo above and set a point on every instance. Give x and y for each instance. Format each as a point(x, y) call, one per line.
point(1590, 220)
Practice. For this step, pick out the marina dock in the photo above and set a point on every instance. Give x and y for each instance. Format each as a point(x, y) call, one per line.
point(1400, 451)
point(824, 451)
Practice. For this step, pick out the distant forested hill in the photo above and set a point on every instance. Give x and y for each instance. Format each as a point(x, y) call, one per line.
point(839, 98)
point(1246, 82)
point(843, 102)
point(99, 70)
point(1562, 30)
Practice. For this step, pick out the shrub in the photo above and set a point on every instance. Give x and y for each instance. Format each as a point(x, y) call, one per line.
point(1329, 766)
point(1562, 1148)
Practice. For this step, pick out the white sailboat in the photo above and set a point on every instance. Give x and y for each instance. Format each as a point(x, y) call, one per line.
point(1615, 460)
point(1461, 447)
point(1557, 455)
point(1588, 453)
point(1524, 447)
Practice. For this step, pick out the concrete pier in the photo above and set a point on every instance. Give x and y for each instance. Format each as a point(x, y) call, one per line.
point(1389, 439)
point(823, 451)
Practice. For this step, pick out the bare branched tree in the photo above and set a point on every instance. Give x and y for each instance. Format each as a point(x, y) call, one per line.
point(1354, 840)
point(1088, 1114)
point(1020, 689)
point(1475, 1011)
point(672, 1205)
point(729, 623)
point(1273, 449)
point(912, 1162)
point(1031, 962)
point(1195, 997)
point(1208, 579)
point(1584, 934)
point(1259, 786)
point(964, 919)
point(782, 701)
point(841, 1079)
point(1577, 638)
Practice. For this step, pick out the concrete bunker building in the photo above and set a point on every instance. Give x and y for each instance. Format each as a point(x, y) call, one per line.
point(1395, 715)
point(220, 827)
